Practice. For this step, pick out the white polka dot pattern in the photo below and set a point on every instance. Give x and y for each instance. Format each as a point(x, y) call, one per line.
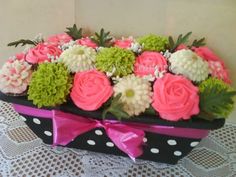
point(193, 144)
point(172, 142)
point(109, 144)
point(98, 132)
point(154, 150)
point(91, 142)
point(37, 121)
point(177, 153)
point(144, 139)
point(48, 133)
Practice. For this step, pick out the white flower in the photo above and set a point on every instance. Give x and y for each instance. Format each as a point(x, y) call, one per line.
point(67, 45)
point(136, 47)
point(136, 94)
point(189, 64)
point(79, 58)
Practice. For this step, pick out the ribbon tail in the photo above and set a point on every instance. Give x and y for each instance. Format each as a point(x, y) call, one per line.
point(66, 127)
point(127, 139)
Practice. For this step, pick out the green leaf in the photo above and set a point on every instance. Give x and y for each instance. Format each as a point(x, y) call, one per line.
point(198, 43)
point(180, 40)
point(116, 108)
point(74, 32)
point(150, 111)
point(23, 42)
point(216, 99)
point(102, 39)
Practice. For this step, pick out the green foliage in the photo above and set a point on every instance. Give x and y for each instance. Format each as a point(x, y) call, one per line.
point(216, 99)
point(50, 85)
point(74, 32)
point(116, 108)
point(198, 43)
point(23, 42)
point(153, 42)
point(180, 40)
point(103, 39)
point(122, 60)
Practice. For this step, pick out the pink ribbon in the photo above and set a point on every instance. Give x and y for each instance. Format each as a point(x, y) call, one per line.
point(128, 137)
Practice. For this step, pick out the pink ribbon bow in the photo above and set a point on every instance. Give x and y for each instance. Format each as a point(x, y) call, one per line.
point(68, 126)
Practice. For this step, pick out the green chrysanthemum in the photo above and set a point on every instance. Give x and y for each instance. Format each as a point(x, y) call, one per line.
point(153, 42)
point(216, 99)
point(115, 60)
point(50, 85)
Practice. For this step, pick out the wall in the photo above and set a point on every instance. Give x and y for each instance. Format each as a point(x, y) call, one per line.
point(213, 19)
point(27, 18)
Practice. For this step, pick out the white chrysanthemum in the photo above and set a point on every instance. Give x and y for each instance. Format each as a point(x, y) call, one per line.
point(79, 58)
point(136, 94)
point(189, 64)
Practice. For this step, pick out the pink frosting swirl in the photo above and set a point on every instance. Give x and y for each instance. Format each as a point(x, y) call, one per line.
point(15, 76)
point(58, 39)
point(123, 43)
point(90, 90)
point(216, 64)
point(87, 42)
point(147, 62)
point(175, 97)
point(41, 52)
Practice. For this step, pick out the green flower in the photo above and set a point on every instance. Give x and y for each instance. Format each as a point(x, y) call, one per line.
point(216, 99)
point(115, 60)
point(50, 85)
point(153, 42)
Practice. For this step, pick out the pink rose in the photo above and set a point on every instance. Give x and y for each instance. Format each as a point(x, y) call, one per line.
point(87, 42)
point(41, 53)
point(123, 43)
point(216, 64)
point(90, 90)
point(181, 46)
point(175, 97)
point(148, 62)
point(58, 39)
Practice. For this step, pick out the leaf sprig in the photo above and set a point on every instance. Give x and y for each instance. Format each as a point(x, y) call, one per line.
point(216, 99)
point(116, 108)
point(180, 40)
point(23, 42)
point(198, 43)
point(74, 32)
point(102, 39)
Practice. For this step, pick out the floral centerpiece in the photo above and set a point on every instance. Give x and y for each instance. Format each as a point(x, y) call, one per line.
point(126, 78)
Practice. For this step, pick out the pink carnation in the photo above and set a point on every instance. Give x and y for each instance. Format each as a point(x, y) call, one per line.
point(148, 62)
point(58, 39)
point(87, 42)
point(90, 90)
point(123, 43)
point(175, 97)
point(41, 53)
point(15, 76)
point(216, 64)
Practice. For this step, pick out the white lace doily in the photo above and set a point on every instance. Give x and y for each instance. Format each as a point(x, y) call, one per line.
point(23, 154)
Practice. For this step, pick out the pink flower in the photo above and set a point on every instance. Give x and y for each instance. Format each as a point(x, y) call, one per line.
point(175, 97)
point(58, 39)
point(15, 76)
point(216, 64)
point(87, 42)
point(148, 62)
point(123, 43)
point(20, 56)
point(90, 90)
point(181, 46)
point(41, 53)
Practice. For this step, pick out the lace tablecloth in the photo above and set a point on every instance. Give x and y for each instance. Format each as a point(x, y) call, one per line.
point(23, 154)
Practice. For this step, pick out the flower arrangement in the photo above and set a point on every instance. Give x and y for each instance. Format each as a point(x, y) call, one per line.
point(125, 77)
